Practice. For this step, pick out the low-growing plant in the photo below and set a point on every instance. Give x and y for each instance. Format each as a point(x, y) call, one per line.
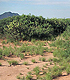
point(48, 76)
point(23, 78)
point(18, 77)
point(46, 49)
point(13, 62)
point(31, 53)
point(1, 51)
point(42, 68)
point(28, 77)
point(6, 52)
point(27, 67)
point(29, 72)
point(33, 60)
point(43, 59)
point(68, 69)
point(22, 56)
point(0, 64)
point(55, 60)
point(25, 63)
point(46, 64)
point(55, 71)
point(0, 56)
point(4, 47)
point(40, 58)
point(33, 40)
point(36, 70)
point(50, 50)
point(3, 42)
point(21, 74)
point(50, 63)
point(17, 43)
point(50, 59)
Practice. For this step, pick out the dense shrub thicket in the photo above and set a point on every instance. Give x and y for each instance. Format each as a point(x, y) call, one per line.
point(26, 27)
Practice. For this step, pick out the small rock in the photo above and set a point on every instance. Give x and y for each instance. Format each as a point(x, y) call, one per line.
point(41, 73)
point(8, 74)
point(64, 73)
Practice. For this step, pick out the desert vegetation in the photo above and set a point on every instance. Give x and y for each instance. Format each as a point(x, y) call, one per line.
point(27, 40)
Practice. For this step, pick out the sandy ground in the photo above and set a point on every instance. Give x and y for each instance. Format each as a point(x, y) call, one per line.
point(11, 72)
point(63, 78)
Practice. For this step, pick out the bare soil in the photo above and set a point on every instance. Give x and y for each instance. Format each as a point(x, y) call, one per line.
point(8, 72)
